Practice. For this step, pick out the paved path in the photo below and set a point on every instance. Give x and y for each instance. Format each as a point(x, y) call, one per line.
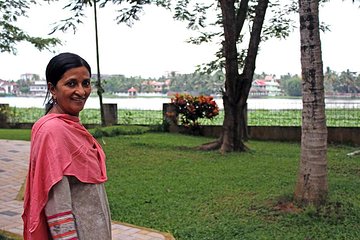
point(14, 157)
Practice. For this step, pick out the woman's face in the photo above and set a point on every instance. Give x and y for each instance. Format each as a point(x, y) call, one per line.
point(71, 91)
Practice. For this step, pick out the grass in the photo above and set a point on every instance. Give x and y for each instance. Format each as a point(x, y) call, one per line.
point(24, 134)
point(159, 180)
point(15, 134)
point(4, 235)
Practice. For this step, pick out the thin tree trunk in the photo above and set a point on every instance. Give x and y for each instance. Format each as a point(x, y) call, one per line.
point(311, 184)
point(100, 90)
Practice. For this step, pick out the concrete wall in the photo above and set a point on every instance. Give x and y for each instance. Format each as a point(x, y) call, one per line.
point(110, 114)
point(3, 116)
point(338, 135)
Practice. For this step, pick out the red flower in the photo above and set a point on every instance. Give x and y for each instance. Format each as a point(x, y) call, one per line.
point(192, 108)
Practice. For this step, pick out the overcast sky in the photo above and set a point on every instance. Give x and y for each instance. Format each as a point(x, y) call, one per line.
point(156, 44)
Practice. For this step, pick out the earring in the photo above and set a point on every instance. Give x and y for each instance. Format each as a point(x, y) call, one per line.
point(54, 101)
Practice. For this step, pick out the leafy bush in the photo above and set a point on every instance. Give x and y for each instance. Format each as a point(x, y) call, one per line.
point(118, 130)
point(192, 108)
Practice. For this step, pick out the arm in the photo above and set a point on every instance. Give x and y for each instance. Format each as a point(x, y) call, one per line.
point(58, 211)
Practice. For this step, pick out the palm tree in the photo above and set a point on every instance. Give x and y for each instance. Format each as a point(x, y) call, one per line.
point(312, 184)
point(330, 79)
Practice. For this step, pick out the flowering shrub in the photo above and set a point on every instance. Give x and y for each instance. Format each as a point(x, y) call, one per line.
point(191, 108)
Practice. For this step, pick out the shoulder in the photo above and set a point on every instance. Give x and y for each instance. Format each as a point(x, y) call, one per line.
point(49, 127)
point(48, 122)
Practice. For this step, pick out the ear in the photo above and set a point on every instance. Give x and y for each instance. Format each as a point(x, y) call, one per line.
point(51, 88)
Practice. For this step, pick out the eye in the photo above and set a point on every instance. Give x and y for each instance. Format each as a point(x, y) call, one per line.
point(86, 83)
point(71, 83)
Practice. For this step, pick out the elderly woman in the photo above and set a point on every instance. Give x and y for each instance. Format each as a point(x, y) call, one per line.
point(65, 196)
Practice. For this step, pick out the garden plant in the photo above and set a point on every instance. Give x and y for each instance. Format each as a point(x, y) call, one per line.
point(192, 108)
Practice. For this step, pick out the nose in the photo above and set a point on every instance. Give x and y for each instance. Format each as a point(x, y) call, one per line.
point(80, 90)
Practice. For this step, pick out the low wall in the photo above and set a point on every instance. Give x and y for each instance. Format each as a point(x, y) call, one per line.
point(338, 135)
point(275, 133)
point(344, 135)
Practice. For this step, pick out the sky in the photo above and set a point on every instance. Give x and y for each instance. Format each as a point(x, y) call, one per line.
point(156, 45)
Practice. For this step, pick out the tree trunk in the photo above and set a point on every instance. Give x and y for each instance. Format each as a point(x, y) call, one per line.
point(100, 90)
point(237, 86)
point(311, 184)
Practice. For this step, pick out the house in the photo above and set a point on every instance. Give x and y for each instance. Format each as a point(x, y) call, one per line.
point(132, 92)
point(38, 89)
point(258, 88)
point(156, 86)
point(272, 86)
point(7, 87)
point(29, 77)
point(268, 86)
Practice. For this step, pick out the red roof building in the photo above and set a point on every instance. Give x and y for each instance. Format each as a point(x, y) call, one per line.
point(132, 91)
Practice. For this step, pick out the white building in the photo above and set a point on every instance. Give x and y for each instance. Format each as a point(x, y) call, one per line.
point(268, 86)
point(272, 86)
point(38, 89)
point(7, 87)
point(29, 77)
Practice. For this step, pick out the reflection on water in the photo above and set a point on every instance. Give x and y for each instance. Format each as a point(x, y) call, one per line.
point(156, 103)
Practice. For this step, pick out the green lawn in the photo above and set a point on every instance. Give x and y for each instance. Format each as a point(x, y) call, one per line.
point(15, 134)
point(161, 181)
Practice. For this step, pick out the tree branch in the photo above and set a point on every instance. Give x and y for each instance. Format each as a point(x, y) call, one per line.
point(250, 60)
point(241, 16)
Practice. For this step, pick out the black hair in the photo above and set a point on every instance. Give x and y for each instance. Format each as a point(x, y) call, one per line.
point(56, 68)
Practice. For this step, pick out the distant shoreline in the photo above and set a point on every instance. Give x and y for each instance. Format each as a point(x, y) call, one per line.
point(112, 96)
point(156, 103)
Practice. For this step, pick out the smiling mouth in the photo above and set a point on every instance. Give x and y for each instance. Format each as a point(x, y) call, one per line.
point(79, 99)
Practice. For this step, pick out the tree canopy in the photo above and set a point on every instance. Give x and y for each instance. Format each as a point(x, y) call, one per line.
point(11, 34)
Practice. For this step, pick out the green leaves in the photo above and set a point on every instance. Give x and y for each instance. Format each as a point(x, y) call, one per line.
point(191, 108)
point(10, 34)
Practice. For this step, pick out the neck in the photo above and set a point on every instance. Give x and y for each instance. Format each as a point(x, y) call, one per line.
point(58, 110)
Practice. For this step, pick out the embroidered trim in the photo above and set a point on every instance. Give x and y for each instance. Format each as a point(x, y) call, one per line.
point(65, 235)
point(62, 226)
point(59, 215)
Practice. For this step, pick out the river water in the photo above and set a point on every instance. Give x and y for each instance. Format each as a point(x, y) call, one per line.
point(156, 103)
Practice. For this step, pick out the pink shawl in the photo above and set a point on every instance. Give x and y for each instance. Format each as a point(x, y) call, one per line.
point(60, 146)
